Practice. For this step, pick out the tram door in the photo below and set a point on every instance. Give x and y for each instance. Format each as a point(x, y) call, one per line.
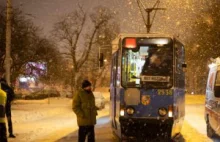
point(113, 89)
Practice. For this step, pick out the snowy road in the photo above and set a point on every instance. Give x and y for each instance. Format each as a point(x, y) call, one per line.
point(195, 118)
point(42, 122)
point(194, 129)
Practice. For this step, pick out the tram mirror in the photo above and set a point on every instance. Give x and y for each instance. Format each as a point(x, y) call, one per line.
point(217, 91)
point(184, 65)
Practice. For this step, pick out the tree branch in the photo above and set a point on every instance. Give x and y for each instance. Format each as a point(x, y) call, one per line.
point(75, 64)
point(86, 52)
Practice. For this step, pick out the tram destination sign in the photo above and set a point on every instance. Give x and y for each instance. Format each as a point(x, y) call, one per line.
point(155, 78)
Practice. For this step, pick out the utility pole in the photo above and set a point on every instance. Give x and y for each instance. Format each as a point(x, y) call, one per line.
point(155, 8)
point(8, 42)
point(149, 23)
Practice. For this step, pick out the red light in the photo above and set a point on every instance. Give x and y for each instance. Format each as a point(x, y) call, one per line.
point(130, 43)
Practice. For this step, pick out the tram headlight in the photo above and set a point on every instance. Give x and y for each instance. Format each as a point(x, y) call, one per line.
point(122, 112)
point(130, 110)
point(162, 112)
point(170, 113)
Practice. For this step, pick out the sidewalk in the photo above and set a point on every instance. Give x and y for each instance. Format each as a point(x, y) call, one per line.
point(103, 132)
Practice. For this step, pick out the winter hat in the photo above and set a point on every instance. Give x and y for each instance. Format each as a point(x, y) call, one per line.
point(86, 83)
point(2, 80)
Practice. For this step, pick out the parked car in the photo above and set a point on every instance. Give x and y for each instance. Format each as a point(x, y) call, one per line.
point(42, 94)
point(212, 103)
point(99, 100)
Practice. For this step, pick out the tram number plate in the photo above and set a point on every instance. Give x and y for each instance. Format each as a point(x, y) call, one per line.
point(164, 92)
point(155, 78)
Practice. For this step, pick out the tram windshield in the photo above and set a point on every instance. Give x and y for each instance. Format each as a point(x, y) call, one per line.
point(148, 65)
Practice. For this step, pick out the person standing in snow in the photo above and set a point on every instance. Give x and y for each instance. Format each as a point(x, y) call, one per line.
point(86, 111)
point(10, 96)
point(3, 133)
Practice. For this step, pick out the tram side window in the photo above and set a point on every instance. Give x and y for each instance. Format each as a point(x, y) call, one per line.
point(114, 69)
point(179, 60)
point(217, 85)
point(118, 76)
point(179, 51)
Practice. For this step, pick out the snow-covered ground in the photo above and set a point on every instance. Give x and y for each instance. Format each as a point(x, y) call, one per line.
point(40, 121)
point(34, 120)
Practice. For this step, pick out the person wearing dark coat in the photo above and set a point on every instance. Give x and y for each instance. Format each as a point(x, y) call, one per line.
point(10, 96)
point(86, 111)
point(3, 131)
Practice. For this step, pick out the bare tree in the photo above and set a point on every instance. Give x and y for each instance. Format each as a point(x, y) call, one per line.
point(101, 76)
point(26, 46)
point(77, 33)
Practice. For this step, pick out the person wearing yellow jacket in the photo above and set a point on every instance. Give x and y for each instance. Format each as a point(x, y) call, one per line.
point(3, 134)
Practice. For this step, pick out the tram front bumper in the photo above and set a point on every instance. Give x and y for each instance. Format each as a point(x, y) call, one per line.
point(146, 127)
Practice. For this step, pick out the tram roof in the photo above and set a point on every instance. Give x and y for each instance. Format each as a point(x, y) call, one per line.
point(216, 61)
point(122, 35)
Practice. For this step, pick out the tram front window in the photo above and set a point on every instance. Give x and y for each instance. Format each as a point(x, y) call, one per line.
point(149, 66)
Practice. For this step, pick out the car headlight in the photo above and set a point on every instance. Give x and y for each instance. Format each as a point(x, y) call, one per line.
point(162, 112)
point(130, 110)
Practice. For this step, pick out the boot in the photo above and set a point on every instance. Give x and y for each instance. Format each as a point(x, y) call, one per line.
point(12, 136)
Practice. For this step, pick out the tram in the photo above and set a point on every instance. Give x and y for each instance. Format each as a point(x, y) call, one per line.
point(147, 90)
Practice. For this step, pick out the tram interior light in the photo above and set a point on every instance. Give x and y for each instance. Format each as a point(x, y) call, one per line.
point(137, 81)
point(130, 43)
point(162, 41)
point(155, 41)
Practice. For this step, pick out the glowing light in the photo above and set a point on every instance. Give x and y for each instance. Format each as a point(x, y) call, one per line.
point(162, 41)
point(23, 79)
point(130, 43)
point(122, 112)
point(170, 114)
point(170, 111)
point(130, 111)
point(162, 111)
point(118, 82)
point(137, 81)
point(212, 65)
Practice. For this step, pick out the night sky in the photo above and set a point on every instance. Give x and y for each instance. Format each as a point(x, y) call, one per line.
point(177, 19)
point(45, 13)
